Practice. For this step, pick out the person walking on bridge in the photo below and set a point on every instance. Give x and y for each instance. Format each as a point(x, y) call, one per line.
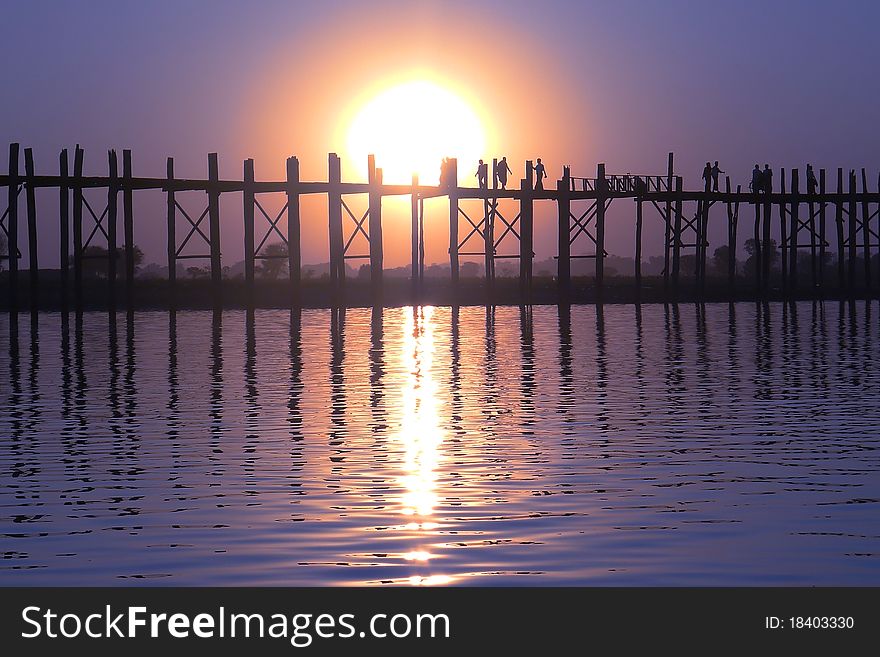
point(767, 179)
point(715, 172)
point(501, 172)
point(540, 174)
point(812, 183)
point(757, 180)
point(482, 175)
point(707, 176)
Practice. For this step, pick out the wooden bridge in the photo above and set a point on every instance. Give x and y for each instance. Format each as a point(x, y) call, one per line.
point(87, 219)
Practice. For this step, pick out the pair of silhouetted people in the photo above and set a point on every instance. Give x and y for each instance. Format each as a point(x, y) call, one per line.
point(762, 181)
point(482, 175)
point(500, 173)
point(710, 175)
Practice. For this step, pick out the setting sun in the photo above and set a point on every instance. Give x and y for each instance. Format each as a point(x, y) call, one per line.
point(411, 128)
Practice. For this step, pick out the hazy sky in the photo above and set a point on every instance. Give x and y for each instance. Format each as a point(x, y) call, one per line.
point(575, 82)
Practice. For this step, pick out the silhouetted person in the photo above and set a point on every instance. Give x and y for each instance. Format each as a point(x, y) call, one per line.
point(444, 172)
point(757, 180)
point(482, 175)
point(707, 176)
point(501, 172)
point(812, 183)
point(540, 174)
point(715, 172)
point(767, 180)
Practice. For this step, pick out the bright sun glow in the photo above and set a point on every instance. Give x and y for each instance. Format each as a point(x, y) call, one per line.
point(411, 128)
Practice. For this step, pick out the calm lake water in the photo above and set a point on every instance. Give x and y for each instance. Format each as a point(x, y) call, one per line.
point(653, 445)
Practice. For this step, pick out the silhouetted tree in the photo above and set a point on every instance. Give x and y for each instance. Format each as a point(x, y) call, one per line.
point(197, 272)
point(364, 271)
point(95, 260)
point(752, 260)
point(276, 262)
point(719, 259)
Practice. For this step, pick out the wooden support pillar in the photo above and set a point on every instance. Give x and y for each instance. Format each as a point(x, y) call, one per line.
point(638, 265)
point(766, 246)
point(794, 219)
point(601, 196)
point(33, 258)
point(248, 215)
point(866, 233)
point(294, 248)
point(563, 249)
point(757, 256)
point(12, 225)
point(128, 223)
point(171, 226)
point(112, 215)
point(853, 234)
point(377, 257)
point(214, 222)
point(489, 207)
point(822, 229)
point(702, 222)
point(783, 247)
point(78, 156)
point(414, 232)
point(732, 221)
point(64, 220)
point(676, 233)
point(811, 223)
point(526, 224)
point(334, 216)
point(452, 189)
point(668, 219)
point(838, 213)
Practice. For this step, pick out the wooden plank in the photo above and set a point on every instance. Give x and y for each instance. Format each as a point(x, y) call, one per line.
point(64, 221)
point(214, 223)
point(294, 248)
point(374, 220)
point(128, 223)
point(248, 216)
point(171, 225)
point(563, 249)
point(33, 258)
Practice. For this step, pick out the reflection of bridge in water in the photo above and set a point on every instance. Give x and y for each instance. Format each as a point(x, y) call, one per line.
point(797, 220)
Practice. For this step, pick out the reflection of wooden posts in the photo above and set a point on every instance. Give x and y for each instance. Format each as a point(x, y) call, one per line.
point(563, 205)
point(676, 233)
point(375, 225)
point(334, 215)
point(638, 263)
point(414, 232)
point(822, 228)
point(214, 219)
point(668, 219)
point(853, 252)
point(601, 195)
point(33, 259)
point(794, 219)
point(248, 198)
point(112, 215)
point(452, 189)
point(12, 224)
point(838, 216)
point(294, 255)
point(64, 219)
point(77, 222)
point(866, 234)
point(526, 223)
point(128, 222)
point(171, 227)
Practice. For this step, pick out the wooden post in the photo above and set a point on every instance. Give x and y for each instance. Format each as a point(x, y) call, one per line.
point(248, 215)
point(732, 221)
point(782, 232)
point(33, 258)
point(638, 263)
point(12, 225)
point(294, 249)
point(766, 250)
point(452, 182)
point(377, 259)
point(822, 236)
point(128, 222)
point(64, 219)
point(811, 209)
point(171, 223)
point(668, 219)
point(853, 246)
point(601, 195)
point(838, 208)
point(794, 217)
point(334, 215)
point(526, 223)
point(676, 233)
point(758, 257)
point(112, 214)
point(563, 249)
point(214, 222)
point(414, 231)
point(77, 223)
point(866, 233)
point(489, 206)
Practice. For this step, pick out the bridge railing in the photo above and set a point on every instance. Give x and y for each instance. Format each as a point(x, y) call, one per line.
point(623, 183)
